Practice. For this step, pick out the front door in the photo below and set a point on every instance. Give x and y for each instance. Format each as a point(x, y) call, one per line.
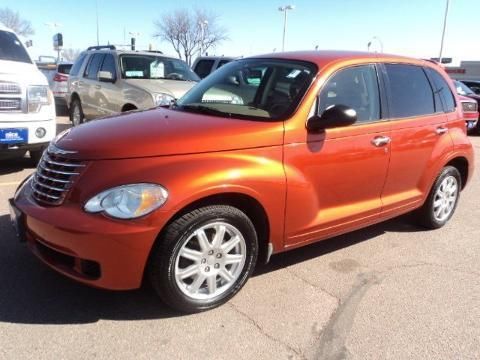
point(335, 178)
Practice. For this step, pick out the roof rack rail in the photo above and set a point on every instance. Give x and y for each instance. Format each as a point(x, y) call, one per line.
point(154, 51)
point(100, 47)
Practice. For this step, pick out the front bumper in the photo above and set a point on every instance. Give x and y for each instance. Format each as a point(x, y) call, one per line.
point(89, 248)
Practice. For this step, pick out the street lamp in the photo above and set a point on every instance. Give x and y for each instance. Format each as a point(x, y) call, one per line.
point(378, 40)
point(284, 9)
point(443, 32)
point(203, 24)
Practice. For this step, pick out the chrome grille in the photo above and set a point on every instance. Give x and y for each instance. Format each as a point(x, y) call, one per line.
point(55, 176)
point(9, 88)
point(10, 104)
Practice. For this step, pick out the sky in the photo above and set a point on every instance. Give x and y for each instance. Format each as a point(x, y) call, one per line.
point(405, 27)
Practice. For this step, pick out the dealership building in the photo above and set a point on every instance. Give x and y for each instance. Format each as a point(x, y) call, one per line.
point(468, 70)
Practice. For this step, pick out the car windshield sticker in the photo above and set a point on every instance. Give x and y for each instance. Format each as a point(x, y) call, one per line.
point(134, 73)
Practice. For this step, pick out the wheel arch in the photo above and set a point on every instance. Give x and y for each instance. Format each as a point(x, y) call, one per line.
point(462, 165)
point(129, 106)
point(246, 203)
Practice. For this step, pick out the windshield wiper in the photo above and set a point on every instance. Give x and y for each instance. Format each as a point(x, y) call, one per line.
point(203, 110)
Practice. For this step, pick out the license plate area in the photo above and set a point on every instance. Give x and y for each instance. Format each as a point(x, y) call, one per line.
point(13, 136)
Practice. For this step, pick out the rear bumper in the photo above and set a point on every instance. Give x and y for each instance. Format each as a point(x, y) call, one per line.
point(89, 248)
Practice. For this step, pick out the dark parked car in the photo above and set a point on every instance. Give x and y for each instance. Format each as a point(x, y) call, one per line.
point(474, 85)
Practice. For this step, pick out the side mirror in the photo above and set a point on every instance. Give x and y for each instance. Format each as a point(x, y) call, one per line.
point(106, 76)
point(334, 116)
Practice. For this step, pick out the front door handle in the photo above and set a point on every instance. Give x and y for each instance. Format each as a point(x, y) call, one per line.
point(380, 141)
point(441, 130)
point(98, 87)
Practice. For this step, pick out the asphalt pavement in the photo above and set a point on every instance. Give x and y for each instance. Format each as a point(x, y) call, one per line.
point(390, 291)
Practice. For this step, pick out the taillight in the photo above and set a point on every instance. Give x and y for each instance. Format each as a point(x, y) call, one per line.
point(60, 77)
point(468, 106)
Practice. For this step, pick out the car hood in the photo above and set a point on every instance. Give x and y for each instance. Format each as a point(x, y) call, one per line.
point(20, 72)
point(175, 88)
point(160, 132)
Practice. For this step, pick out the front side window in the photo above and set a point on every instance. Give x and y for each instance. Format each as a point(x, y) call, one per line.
point(410, 91)
point(12, 49)
point(109, 65)
point(268, 89)
point(93, 66)
point(355, 87)
point(155, 67)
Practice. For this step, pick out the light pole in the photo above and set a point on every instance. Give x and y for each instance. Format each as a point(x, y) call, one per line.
point(284, 9)
point(203, 24)
point(96, 12)
point(54, 27)
point(378, 40)
point(443, 32)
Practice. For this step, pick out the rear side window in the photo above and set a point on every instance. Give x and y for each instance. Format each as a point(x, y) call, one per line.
point(204, 67)
point(441, 88)
point(355, 87)
point(12, 49)
point(410, 91)
point(77, 65)
point(222, 62)
point(109, 65)
point(93, 66)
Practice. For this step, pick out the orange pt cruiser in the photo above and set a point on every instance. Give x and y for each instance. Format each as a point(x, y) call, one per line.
point(265, 155)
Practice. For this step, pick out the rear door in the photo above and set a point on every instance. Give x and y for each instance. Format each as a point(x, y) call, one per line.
point(419, 135)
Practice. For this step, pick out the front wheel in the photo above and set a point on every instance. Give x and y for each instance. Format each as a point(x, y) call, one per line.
point(203, 258)
point(442, 200)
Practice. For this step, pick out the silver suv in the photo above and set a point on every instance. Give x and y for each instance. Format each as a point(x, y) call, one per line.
point(105, 81)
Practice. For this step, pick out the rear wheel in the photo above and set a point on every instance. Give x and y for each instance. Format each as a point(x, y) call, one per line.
point(204, 258)
point(76, 113)
point(442, 200)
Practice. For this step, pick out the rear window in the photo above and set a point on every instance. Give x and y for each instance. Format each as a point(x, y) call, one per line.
point(12, 49)
point(64, 68)
point(204, 67)
point(410, 91)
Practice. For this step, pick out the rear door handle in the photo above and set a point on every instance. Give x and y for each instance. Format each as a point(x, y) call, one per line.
point(98, 87)
point(380, 141)
point(441, 130)
point(81, 83)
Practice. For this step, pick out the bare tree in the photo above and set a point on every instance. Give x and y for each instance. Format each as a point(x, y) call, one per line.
point(70, 54)
point(12, 20)
point(183, 30)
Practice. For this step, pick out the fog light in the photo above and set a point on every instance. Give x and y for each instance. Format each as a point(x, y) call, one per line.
point(40, 132)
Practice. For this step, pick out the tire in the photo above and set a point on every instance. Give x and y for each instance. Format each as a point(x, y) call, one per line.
point(36, 155)
point(76, 113)
point(180, 249)
point(429, 215)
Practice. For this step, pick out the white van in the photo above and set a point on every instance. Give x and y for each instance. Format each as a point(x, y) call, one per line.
point(27, 107)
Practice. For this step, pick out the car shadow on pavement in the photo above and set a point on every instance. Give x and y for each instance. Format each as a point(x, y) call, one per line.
point(31, 293)
point(13, 165)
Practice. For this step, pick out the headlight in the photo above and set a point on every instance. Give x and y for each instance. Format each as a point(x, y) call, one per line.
point(128, 201)
point(162, 99)
point(38, 95)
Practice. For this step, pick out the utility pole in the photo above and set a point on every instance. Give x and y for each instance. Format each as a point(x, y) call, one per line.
point(443, 32)
point(285, 9)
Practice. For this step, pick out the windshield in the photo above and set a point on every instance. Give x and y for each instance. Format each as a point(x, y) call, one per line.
point(155, 67)
point(267, 89)
point(463, 89)
point(12, 49)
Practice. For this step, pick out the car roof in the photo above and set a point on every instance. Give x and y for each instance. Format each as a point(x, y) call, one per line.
point(323, 57)
point(4, 28)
